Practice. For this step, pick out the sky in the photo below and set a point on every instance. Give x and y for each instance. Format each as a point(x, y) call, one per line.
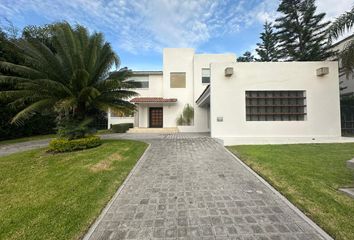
point(138, 30)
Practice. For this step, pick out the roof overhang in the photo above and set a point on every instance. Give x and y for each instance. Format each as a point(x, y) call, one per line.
point(204, 98)
point(153, 100)
point(144, 73)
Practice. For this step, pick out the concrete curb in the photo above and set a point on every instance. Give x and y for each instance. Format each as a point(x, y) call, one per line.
point(115, 196)
point(284, 199)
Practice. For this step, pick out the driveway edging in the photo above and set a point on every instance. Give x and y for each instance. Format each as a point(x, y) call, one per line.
point(115, 196)
point(325, 235)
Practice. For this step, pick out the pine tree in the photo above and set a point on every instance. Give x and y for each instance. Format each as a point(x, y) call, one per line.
point(302, 33)
point(268, 50)
point(246, 57)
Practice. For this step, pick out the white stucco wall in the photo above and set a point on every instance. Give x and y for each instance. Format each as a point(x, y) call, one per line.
point(203, 61)
point(155, 87)
point(177, 60)
point(228, 100)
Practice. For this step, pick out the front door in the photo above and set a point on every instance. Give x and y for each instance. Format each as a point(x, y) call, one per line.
point(156, 117)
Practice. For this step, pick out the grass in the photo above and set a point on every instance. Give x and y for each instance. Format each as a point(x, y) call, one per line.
point(40, 137)
point(58, 196)
point(309, 176)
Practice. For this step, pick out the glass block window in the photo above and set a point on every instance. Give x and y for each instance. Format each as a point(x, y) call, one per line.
point(275, 105)
point(205, 75)
point(177, 79)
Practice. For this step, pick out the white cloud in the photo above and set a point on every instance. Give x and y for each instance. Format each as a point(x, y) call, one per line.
point(138, 25)
point(145, 25)
point(333, 8)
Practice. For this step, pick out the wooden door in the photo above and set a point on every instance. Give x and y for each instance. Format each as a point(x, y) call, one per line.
point(156, 117)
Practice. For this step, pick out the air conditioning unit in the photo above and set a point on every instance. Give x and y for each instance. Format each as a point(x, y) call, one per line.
point(229, 71)
point(322, 71)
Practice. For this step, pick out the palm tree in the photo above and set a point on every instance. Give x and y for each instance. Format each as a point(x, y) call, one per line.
point(344, 23)
point(71, 79)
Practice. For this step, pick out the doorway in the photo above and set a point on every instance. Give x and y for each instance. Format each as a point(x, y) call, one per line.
point(156, 117)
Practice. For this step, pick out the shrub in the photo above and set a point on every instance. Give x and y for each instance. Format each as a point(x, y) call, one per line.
point(187, 117)
point(66, 145)
point(121, 128)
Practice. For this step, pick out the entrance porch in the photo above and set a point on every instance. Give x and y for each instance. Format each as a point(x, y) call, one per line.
point(150, 115)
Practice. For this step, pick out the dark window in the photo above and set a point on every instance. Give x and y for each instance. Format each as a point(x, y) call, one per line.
point(140, 84)
point(139, 81)
point(205, 75)
point(275, 105)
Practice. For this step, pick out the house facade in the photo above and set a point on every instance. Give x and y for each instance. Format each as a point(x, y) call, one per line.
point(239, 103)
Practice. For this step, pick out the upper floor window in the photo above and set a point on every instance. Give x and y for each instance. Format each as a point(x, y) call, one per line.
point(139, 81)
point(177, 79)
point(205, 75)
point(275, 105)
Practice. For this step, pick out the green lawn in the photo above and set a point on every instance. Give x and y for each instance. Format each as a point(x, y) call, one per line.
point(46, 196)
point(309, 176)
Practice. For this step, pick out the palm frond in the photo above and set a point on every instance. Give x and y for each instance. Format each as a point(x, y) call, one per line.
point(347, 59)
point(32, 109)
point(343, 23)
point(21, 70)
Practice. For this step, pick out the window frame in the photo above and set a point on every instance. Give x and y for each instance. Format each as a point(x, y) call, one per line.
point(208, 77)
point(178, 73)
point(135, 79)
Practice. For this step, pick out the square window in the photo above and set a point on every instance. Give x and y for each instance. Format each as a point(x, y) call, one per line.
point(205, 75)
point(177, 79)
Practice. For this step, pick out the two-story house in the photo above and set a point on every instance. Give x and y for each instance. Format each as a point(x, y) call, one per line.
point(238, 102)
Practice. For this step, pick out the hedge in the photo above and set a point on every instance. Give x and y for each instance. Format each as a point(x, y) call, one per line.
point(65, 145)
point(121, 128)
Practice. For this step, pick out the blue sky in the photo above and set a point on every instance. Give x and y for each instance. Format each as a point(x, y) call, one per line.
point(139, 29)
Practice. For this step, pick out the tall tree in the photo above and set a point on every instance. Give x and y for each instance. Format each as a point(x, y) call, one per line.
point(72, 80)
point(246, 57)
point(344, 23)
point(268, 49)
point(302, 32)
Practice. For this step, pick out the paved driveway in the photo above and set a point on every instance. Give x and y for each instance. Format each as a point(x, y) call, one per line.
point(190, 187)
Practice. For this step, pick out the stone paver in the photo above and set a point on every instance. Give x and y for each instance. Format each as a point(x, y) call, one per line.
point(190, 187)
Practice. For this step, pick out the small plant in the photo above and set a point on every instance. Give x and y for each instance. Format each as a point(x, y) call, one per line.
point(74, 129)
point(187, 117)
point(65, 145)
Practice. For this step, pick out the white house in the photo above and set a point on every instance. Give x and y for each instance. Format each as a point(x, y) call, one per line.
point(237, 103)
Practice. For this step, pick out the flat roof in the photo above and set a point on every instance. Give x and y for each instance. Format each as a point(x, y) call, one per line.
point(343, 40)
point(147, 73)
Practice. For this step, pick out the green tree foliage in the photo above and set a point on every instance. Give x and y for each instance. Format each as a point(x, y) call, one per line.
point(70, 81)
point(246, 57)
point(44, 34)
point(344, 23)
point(36, 125)
point(302, 32)
point(268, 49)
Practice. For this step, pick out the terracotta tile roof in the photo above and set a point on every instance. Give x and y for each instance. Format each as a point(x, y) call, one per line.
point(153, 100)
